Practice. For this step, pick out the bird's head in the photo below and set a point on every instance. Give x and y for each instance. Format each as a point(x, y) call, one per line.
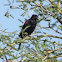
point(34, 17)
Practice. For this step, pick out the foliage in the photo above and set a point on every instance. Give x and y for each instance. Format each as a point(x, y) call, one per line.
point(35, 48)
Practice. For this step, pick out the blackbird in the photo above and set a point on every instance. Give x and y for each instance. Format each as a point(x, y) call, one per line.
point(28, 27)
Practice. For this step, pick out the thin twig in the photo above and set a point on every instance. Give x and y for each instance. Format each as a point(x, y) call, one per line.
point(49, 36)
point(5, 31)
point(56, 31)
point(45, 58)
point(50, 28)
point(54, 50)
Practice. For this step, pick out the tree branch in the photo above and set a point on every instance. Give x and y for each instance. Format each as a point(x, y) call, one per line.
point(50, 28)
point(49, 36)
point(5, 31)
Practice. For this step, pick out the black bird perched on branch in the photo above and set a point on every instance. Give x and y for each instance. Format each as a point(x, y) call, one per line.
point(28, 27)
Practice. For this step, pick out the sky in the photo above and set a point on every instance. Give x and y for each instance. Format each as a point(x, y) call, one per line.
point(13, 24)
point(9, 23)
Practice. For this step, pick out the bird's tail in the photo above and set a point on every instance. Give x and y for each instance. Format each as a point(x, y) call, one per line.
point(19, 46)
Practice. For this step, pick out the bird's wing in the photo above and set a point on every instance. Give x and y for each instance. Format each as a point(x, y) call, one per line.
point(25, 24)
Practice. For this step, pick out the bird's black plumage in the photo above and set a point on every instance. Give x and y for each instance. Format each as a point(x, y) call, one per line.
point(28, 27)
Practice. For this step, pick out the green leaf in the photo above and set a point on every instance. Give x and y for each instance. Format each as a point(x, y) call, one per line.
point(11, 16)
point(60, 27)
point(50, 9)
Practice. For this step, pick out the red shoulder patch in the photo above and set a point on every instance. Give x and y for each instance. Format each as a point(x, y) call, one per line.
point(26, 22)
